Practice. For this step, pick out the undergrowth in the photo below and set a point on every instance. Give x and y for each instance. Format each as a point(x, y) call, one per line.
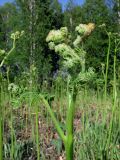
point(33, 123)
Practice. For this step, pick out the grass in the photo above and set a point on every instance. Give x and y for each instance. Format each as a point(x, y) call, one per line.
point(57, 122)
point(27, 130)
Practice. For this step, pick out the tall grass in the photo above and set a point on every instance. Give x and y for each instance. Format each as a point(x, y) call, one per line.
point(107, 62)
point(92, 122)
point(96, 135)
point(1, 127)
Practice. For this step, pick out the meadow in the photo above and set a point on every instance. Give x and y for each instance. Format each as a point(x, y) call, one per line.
point(73, 116)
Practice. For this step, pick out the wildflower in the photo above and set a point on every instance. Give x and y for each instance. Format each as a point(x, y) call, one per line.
point(62, 48)
point(17, 35)
point(85, 29)
point(55, 36)
point(65, 50)
point(64, 31)
point(81, 29)
point(58, 40)
point(51, 45)
point(90, 28)
point(68, 63)
point(13, 88)
point(12, 36)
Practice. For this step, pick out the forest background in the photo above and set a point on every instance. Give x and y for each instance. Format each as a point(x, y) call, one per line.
point(38, 17)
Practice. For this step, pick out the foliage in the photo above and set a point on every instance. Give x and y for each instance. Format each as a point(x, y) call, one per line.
point(97, 12)
point(36, 18)
point(53, 80)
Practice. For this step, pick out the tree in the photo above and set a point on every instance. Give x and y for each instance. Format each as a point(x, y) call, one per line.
point(97, 11)
point(8, 22)
point(68, 14)
point(38, 17)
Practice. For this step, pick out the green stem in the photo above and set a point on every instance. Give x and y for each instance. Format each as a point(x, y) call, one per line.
point(69, 129)
point(114, 87)
point(57, 126)
point(1, 137)
point(1, 124)
point(12, 137)
point(114, 101)
point(69, 138)
point(37, 134)
point(107, 64)
point(8, 70)
point(4, 59)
